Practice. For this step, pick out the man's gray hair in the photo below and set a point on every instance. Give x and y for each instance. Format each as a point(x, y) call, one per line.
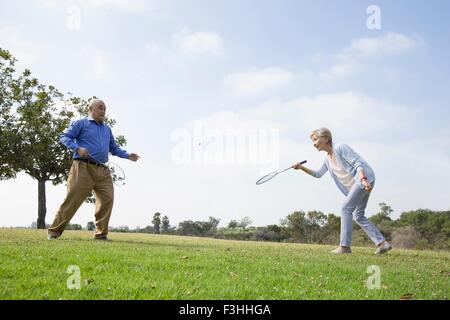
point(324, 133)
point(93, 102)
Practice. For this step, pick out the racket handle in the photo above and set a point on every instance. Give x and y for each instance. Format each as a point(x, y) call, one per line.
point(303, 162)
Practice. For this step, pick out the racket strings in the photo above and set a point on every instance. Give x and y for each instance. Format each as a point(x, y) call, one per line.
point(117, 174)
point(273, 174)
point(267, 178)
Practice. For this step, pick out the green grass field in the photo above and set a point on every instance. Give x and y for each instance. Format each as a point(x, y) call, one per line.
point(144, 266)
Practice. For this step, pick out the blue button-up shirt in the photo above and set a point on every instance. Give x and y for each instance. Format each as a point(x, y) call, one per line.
point(97, 138)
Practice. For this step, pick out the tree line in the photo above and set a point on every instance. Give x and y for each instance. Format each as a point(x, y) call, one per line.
point(418, 229)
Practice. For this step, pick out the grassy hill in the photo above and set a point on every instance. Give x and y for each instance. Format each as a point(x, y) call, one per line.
point(144, 266)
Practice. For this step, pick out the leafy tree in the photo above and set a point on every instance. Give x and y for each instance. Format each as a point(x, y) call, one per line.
point(315, 220)
point(212, 224)
point(199, 228)
point(122, 229)
point(157, 222)
point(383, 215)
point(74, 226)
point(148, 229)
point(165, 225)
point(271, 232)
point(332, 229)
point(383, 220)
point(7, 171)
point(274, 228)
point(244, 223)
point(333, 223)
point(32, 118)
point(189, 228)
point(232, 224)
point(431, 225)
point(296, 225)
point(90, 226)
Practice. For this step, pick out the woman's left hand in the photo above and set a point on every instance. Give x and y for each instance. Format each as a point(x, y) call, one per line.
point(366, 185)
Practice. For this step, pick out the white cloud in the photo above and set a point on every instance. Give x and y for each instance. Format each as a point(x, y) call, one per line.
point(23, 50)
point(390, 44)
point(351, 116)
point(193, 43)
point(341, 70)
point(187, 46)
point(120, 5)
point(99, 67)
point(154, 49)
point(256, 82)
point(352, 59)
point(159, 102)
point(96, 62)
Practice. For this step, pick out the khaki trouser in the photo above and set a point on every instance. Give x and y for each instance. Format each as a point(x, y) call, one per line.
point(83, 178)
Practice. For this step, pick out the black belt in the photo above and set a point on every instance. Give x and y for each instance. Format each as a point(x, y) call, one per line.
point(92, 162)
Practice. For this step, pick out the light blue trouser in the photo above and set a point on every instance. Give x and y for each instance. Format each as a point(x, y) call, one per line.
point(356, 203)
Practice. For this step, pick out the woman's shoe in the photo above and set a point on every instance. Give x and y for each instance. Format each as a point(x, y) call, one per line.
point(383, 247)
point(341, 250)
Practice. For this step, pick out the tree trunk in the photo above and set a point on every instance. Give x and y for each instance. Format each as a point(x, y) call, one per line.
point(42, 208)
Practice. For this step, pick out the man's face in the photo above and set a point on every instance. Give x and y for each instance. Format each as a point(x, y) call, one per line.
point(98, 111)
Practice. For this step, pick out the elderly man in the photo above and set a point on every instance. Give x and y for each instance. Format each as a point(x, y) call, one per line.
point(91, 140)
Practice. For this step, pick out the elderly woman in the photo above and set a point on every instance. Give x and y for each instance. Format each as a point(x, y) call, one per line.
point(356, 179)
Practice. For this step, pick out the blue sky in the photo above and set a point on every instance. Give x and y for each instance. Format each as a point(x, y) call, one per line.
point(290, 66)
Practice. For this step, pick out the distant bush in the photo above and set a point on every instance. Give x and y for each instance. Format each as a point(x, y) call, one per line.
point(74, 227)
point(361, 239)
point(233, 234)
point(386, 228)
point(198, 228)
point(405, 237)
point(268, 235)
point(422, 244)
point(122, 229)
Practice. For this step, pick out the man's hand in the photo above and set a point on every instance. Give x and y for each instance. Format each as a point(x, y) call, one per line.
point(133, 157)
point(83, 152)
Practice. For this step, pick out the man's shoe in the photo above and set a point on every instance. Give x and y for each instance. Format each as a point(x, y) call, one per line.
point(383, 247)
point(341, 250)
point(52, 235)
point(104, 238)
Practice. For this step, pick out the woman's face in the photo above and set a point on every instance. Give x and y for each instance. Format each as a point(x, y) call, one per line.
point(319, 142)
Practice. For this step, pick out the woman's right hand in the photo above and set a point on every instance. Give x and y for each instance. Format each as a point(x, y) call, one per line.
point(297, 166)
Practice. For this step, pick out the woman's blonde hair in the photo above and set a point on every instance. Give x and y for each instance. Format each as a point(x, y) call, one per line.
point(324, 133)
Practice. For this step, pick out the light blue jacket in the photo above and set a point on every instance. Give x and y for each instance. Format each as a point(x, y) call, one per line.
point(352, 163)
